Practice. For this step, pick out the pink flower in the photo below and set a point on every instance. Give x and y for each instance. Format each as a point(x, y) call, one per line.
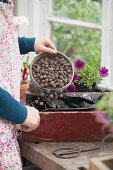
point(102, 118)
point(79, 64)
point(19, 20)
point(70, 89)
point(75, 78)
point(103, 72)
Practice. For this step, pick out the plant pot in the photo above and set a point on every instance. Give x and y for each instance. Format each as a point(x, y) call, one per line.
point(23, 88)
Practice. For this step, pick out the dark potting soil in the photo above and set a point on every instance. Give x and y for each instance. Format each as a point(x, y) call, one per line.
point(82, 88)
point(47, 101)
point(86, 89)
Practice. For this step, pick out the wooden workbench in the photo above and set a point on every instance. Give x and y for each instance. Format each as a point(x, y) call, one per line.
point(41, 155)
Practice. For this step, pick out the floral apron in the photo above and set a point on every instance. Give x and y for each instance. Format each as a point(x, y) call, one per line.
point(10, 81)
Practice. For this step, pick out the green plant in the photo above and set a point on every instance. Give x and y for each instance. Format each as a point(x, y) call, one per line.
point(104, 112)
point(78, 43)
point(106, 104)
point(86, 75)
point(25, 69)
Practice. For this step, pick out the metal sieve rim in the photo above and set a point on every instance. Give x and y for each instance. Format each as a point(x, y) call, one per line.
point(38, 56)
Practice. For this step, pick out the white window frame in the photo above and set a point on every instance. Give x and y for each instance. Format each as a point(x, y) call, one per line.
point(41, 24)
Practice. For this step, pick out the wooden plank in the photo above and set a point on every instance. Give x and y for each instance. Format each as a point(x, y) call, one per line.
point(38, 158)
point(75, 23)
point(101, 163)
point(66, 126)
point(41, 155)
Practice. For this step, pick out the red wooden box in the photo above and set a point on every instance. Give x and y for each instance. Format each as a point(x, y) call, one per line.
point(65, 126)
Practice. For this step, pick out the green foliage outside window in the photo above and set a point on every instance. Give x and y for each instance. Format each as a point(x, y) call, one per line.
point(78, 43)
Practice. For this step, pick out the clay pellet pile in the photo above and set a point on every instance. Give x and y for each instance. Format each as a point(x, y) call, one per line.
point(52, 72)
point(45, 100)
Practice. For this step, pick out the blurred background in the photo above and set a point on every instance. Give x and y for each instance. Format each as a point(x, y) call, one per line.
point(72, 25)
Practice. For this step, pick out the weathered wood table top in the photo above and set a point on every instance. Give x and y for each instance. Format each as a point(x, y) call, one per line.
point(41, 154)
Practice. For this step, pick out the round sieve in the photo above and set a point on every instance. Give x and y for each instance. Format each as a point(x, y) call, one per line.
point(37, 58)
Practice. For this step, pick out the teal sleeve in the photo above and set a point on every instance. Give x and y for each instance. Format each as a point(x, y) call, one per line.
point(10, 109)
point(26, 45)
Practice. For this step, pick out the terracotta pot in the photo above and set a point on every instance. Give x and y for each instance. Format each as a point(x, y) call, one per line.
point(23, 88)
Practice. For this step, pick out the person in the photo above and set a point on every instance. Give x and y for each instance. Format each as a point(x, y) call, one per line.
point(11, 111)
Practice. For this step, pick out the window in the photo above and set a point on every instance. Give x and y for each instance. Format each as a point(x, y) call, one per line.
point(82, 38)
point(93, 23)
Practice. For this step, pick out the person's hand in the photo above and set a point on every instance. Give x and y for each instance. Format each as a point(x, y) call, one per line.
point(44, 45)
point(32, 121)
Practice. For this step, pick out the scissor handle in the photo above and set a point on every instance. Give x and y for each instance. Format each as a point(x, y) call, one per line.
point(61, 153)
point(67, 153)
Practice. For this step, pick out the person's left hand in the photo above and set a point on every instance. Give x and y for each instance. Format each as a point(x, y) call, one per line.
point(44, 45)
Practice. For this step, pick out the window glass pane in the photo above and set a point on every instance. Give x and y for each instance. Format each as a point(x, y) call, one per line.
point(78, 43)
point(85, 10)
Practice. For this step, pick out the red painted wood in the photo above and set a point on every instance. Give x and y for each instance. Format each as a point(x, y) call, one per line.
point(66, 126)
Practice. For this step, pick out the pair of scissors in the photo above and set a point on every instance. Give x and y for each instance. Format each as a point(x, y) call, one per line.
point(67, 153)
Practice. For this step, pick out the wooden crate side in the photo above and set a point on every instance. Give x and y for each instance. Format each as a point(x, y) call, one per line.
point(99, 163)
point(66, 126)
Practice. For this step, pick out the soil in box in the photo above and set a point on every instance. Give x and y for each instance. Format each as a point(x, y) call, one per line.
point(68, 117)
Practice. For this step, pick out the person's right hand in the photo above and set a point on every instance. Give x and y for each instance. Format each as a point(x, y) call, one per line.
point(44, 45)
point(32, 121)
